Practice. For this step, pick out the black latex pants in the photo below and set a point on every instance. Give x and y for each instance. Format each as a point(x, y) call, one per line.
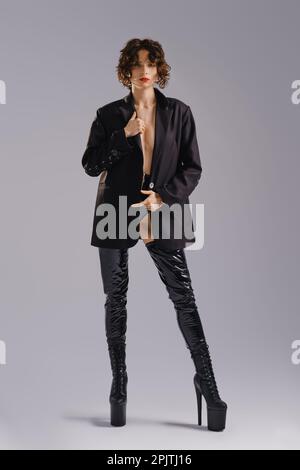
point(174, 273)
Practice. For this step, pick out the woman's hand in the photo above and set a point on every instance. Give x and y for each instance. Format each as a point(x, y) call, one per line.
point(152, 202)
point(134, 126)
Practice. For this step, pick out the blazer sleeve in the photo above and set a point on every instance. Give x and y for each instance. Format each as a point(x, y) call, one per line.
point(181, 185)
point(102, 150)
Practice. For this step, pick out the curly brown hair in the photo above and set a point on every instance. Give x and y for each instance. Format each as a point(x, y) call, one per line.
point(129, 57)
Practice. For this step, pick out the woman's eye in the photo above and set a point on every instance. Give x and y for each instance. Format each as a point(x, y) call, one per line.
point(139, 65)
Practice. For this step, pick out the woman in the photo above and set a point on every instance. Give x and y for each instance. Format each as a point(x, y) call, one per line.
point(144, 147)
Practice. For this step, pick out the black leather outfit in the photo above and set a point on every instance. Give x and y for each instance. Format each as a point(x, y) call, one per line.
point(174, 273)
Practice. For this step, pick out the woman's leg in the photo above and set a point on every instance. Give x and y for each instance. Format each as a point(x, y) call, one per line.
point(114, 272)
point(173, 271)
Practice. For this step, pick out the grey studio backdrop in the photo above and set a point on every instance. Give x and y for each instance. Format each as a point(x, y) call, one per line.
point(234, 63)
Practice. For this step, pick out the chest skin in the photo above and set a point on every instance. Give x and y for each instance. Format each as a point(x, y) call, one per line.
point(148, 115)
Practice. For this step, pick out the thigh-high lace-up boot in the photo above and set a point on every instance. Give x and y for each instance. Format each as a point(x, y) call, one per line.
point(173, 271)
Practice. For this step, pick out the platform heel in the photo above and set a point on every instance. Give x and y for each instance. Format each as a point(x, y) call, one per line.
point(118, 392)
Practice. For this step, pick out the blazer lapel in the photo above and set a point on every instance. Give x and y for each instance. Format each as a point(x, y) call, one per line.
point(163, 114)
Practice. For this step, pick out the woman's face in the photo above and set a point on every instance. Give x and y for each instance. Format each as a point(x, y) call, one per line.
point(143, 69)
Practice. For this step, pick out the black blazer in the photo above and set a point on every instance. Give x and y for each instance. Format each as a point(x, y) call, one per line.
point(175, 172)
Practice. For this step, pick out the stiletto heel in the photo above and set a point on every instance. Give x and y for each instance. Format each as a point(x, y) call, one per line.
point(216, 409)
point(199, 404)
